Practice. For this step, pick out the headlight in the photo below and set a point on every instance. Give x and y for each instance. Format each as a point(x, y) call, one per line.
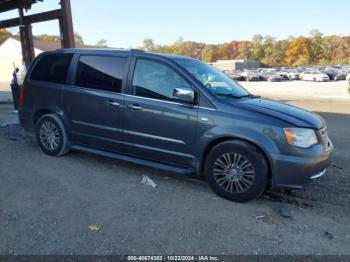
point(300, 137)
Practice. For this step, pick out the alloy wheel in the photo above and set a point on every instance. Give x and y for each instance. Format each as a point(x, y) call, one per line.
point(49, 136)
point(233, 172)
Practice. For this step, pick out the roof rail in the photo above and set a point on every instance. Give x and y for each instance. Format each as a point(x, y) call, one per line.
point(101, 48)
point(136, 50)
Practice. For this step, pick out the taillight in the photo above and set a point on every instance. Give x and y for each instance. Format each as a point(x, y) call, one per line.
point(21, 95)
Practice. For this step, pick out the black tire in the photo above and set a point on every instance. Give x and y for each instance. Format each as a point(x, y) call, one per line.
point(258, 168)
point(58, 132)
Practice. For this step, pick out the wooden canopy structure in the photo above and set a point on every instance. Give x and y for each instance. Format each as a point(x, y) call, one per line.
point(63, 15)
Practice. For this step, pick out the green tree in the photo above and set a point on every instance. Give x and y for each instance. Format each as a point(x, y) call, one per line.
point(269, 48)
point(279, 52)
point(224, 51)
point(257, 48)
point(45, 37)
point(245, 50)
point(148, 44)
point(210, 53)
point(316, 45)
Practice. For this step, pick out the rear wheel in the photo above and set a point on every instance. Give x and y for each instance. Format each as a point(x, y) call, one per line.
point(51, 135)
point(236, 170)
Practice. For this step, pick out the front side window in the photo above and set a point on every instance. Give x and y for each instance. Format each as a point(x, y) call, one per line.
point(215, 81)
point(101, 72)
point(155, 80)
point(52, 68)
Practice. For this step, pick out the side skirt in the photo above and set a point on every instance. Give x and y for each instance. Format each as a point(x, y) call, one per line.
point(138, 161)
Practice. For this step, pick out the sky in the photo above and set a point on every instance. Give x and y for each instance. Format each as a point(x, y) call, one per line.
point(126, 23)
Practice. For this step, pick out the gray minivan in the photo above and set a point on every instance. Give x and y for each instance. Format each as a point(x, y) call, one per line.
point(174, 113)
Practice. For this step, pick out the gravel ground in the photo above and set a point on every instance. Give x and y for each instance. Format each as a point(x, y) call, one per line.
point(301, 90)
point(47, 204)
point(5, 92)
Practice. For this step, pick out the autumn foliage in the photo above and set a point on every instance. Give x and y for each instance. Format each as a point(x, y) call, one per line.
point(314, 49)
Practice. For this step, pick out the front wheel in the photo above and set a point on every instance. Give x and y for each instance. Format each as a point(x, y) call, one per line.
point(51, 135)
point(236, 170)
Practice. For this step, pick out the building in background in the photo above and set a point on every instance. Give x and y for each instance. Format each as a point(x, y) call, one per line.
point(11, 55)
point(232, 65)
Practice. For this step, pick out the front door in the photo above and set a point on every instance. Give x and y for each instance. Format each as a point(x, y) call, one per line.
point(157, 126)
point(94, 103)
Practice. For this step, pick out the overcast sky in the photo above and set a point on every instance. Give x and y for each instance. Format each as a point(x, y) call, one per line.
point(125, 23)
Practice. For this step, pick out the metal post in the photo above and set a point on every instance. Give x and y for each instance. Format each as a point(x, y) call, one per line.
point(66, 25)
point(26, 36)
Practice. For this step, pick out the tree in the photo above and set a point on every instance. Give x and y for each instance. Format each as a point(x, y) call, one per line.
point(78, 39)
point(269, 51)
point(269, 48)
point(4, 34)
point(224, 51)
point(45, 37)
point(210, 53)
point(257, 48)
point(337, 50)
point(184, 48)
point(299, 52)
point(244, 48)
point(101, 43)
point(148, 44)
point(279, 52)
point(233, 49)
point(316, 45)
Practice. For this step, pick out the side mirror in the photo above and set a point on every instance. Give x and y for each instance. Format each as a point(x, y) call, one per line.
point(184, 94)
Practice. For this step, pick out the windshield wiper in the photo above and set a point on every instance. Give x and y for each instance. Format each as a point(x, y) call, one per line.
point(251, 96)
point(228, 95)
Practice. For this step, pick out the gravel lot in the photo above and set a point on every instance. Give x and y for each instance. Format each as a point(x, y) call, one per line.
point(47, 204)
point(301, 90)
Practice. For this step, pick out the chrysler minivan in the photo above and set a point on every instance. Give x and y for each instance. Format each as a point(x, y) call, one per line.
point(174, 113)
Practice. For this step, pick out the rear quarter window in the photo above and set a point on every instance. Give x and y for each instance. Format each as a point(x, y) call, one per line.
point(52, 68)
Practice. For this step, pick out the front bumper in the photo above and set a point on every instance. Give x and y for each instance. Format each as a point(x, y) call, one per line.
point(295, 172)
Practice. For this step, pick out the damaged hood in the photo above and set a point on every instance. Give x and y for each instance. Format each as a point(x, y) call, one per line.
point(293, 115)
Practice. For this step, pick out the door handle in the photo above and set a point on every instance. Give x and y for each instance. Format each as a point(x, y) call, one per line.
point(113, 103)
point(135, 107)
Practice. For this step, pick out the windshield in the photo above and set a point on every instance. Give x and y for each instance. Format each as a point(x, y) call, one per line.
point(214, 80)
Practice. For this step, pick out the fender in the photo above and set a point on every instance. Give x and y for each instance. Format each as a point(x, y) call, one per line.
point(260, 139)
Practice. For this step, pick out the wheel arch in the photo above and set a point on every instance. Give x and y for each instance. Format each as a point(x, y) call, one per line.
point(222, 139)
point(39, 113)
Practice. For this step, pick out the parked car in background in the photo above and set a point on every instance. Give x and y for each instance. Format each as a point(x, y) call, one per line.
point(271, 75)
point(284, 74)
point(250, 75)
point(234, 75)
point(334, 73)
point(314, 76)
point(293, 74)
point(174, 113)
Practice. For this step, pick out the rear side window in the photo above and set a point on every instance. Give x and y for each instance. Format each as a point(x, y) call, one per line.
point(101, 72)
point(52, 68)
